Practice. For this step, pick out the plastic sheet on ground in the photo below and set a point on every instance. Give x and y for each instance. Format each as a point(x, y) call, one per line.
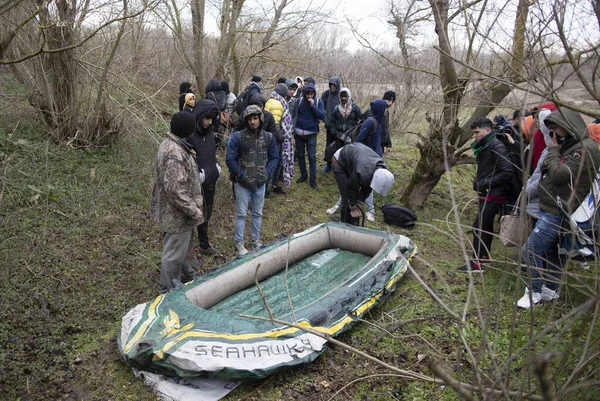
point(188, 389)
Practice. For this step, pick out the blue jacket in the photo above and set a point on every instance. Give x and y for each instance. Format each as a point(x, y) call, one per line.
point(366, 134)
point(306, 116)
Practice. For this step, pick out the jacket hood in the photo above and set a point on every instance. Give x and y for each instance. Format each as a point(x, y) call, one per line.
point(281, 90)
point(290, 82)
point(257, 98)
point(348, 92)
point(185, 87)
point(312, 86)
point(204, 108)
point(569, 120)
point(253, 110)
point(378, 108)
point(542, 117)
point(337, 82)
point(213, 86)
point(301, 80)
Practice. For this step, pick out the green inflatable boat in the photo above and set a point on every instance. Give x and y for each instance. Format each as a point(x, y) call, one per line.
point(323, 278)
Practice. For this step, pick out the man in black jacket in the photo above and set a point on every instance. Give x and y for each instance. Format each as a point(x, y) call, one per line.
point(358, 169)
point(494, 173)
point(205, 147)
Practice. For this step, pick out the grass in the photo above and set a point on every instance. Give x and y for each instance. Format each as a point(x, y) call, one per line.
point(78, 251)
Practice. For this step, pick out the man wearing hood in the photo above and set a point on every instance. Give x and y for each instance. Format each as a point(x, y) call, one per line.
point(358, 170)
point(386, 138)
point(370, 135)
point(205, 147)
point(330, 99)
point(177, 201)
point(568, 171)
point(494, 174)
point(221, 121)
point(278, 107)
point(251, 159)
point(306, 113)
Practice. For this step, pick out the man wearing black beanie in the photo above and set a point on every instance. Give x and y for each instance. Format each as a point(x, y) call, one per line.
point(177, 201)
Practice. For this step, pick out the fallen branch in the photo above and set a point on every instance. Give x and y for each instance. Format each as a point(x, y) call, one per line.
point(395, 327)
point(437, 367)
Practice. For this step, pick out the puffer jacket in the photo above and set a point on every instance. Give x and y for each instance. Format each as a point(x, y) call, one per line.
point(252, 156)
point(569, 169)
point(359, 163)
point(494, 169)
point(177, 194)
point(275, 107)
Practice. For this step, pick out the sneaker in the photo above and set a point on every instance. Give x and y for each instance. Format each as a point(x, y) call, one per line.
point(525, 302)
point(333, 209)
point(370, 216)
point(314, 186)
point(472, 267)
point(549, 295)
point(241, 249)
point(326, 169)
point(583, 264)
point(208, 251)
point(304, 178)
point(256, 244)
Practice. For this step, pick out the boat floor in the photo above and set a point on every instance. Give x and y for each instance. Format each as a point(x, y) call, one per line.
point(307, 280)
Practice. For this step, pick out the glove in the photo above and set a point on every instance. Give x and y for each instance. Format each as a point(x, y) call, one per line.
point(201, 175)
point(219, 169)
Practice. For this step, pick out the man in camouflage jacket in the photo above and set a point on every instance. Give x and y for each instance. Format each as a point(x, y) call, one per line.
point(251, 158)
point(177, 201)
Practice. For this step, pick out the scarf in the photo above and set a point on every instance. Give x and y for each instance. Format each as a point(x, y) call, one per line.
point(287, 148)
point(345, 110)
point(477, 147)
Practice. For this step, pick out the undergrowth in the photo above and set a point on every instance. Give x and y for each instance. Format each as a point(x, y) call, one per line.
point(78, 251)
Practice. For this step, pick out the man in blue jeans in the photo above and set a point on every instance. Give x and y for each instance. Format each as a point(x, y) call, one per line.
point(568, 171)
point(306, 113)
point(251, 158)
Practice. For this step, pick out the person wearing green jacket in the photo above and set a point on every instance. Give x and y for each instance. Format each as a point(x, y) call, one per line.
point(570, 168)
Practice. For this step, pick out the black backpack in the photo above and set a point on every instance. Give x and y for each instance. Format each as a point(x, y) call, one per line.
point(397, 215)
point(352, 133)
point(241, 102)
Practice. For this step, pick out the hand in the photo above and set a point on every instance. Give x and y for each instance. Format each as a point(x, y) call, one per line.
point(553, 142)
point(198, 215)
point(219, 169)
point(355, 212)
point(201, 176)
point(388, 150)
point(311, 101)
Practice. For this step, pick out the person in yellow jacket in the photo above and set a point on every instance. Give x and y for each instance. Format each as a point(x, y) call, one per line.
point(278, 107)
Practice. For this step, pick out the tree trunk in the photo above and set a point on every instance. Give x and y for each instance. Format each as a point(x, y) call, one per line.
point(198, 31)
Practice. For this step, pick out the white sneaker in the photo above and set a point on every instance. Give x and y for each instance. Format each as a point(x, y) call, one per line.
point(526, 303)
point(549, 295)
point(370, 216)
point(333, 209)
point(241, 249)
point(256, 244)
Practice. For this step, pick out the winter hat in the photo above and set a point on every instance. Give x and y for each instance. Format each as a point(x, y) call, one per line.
point(183, 124)
point(225, 86)
point(190, 99)
point(257, 98)
point(382, 181)
point(290, 82)
point(256, 78)
point(281, 90)
point(389, 95)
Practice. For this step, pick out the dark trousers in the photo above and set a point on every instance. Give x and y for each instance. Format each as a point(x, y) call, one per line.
point(342, 180)
point(329, 139)
point(483, 228)
point(209, 197)
point(275, 177)
point(307, 144)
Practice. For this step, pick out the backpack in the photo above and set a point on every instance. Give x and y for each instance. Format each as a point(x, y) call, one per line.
point(397, 215)
point(223, 117)
point(351, 134)
point(516, 183)
point(241, 102)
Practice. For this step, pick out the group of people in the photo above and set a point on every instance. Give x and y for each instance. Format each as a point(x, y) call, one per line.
point(260, 154)
point(563, 163)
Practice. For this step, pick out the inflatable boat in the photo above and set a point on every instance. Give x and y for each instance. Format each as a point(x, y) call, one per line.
point(324, 278)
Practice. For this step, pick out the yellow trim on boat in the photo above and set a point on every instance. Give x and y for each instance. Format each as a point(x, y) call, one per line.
point(146, 325)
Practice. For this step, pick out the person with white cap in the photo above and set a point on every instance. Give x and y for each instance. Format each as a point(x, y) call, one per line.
point(358, 170)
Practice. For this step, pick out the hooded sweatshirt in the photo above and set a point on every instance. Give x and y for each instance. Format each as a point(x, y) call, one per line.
point(306, 117)
point(532, 187)
point(203, 141)
point(331, 99)
point(570, 168)
point(215, 93)
point(368, 135)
